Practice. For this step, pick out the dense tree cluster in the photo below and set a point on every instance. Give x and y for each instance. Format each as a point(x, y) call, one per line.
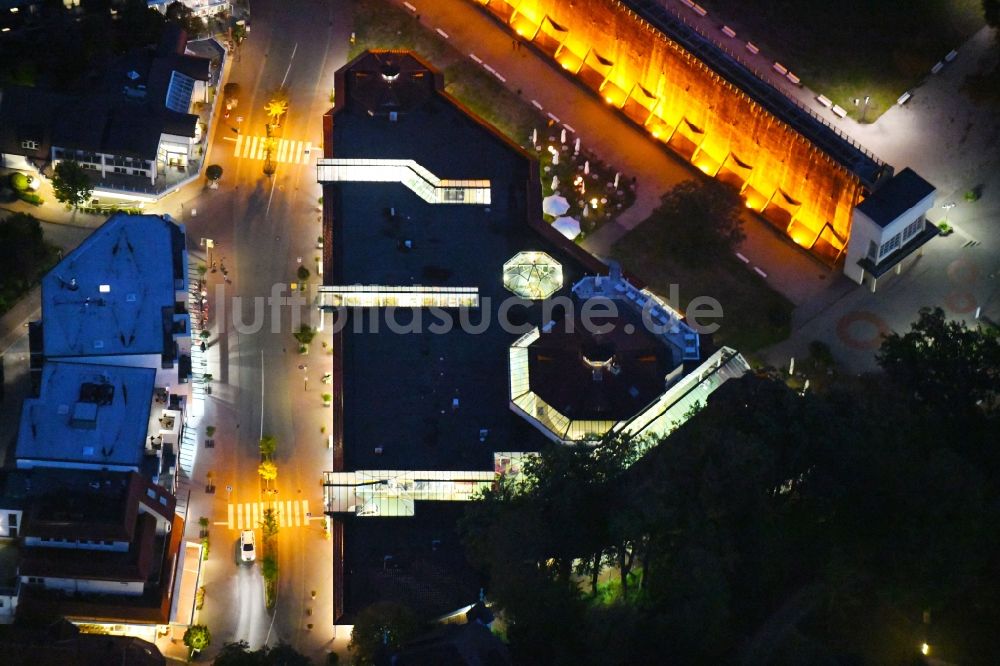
point(24, 256)
point(240, 654)
point(772, 527)
point(80, 43)
point(697, 220)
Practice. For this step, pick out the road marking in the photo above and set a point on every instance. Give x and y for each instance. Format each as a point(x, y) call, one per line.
point(285, 151)
point(289, 64)
point(250, 515)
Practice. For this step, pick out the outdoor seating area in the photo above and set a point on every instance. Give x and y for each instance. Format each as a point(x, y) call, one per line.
point(581, 192)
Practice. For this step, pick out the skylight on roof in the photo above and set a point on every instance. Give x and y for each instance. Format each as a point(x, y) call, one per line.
point(105, 288)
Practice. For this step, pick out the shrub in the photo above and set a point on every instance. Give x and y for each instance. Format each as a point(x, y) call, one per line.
point(305, 334)
point(19, 182)
point(303, 273)
point(327, 398)
point(30, 197)
point(269, 567)
point(820, 351)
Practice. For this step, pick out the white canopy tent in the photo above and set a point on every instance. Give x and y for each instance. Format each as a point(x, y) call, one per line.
point(567, 226)
point(555, 205)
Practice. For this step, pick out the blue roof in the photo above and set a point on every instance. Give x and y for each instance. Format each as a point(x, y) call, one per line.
point(904, 191)
point(88, 414)
point(114, 294)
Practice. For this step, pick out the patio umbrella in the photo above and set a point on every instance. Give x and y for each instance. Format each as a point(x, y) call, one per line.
point(554, 205)
point(567, 226)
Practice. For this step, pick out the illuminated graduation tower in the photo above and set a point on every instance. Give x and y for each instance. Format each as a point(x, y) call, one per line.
point(803, 175)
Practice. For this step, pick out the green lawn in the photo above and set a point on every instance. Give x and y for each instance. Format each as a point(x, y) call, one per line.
point(754, 314)
point(854, 48)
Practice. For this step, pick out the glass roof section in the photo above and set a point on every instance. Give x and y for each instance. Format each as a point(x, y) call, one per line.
point(533, 275)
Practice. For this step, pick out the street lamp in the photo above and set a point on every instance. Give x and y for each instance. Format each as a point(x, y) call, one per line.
point(864, 109)
point(305, 377)
point(209, 245)
point(947, 207)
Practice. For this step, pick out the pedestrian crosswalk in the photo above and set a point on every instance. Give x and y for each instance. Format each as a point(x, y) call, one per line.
point(284, 151)
point(250, 515)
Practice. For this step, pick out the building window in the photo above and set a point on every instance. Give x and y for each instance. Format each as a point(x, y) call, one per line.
point(29, 145)
point(889, 246)
point(913, 229)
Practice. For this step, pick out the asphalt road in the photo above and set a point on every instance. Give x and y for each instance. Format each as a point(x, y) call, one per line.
point(262, 227)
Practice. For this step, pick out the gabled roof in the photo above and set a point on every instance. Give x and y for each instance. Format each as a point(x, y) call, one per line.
point(904, 191)
point(134, 565)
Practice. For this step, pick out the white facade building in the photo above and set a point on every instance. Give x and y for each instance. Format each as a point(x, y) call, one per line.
point(889, 227)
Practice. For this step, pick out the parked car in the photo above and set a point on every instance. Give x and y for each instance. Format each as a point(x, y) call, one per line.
point(248, 547)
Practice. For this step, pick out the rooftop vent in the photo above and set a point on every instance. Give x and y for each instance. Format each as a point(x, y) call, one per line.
point(99, 394)
point(84, 416)
point(390, 72)
point(98, 344)
point(70, 284)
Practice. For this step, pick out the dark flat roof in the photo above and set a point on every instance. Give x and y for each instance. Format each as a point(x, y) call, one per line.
point(399, 388)
point(559, 371)
point(426, 567)
point(904, 191)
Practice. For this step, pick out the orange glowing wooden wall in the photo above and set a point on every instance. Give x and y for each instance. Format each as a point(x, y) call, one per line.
point(705, 118)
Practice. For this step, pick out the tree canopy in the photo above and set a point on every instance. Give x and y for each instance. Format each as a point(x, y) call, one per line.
point(240, 654)
point(772, 527)
point(703, 218)
point(72, 184)
point(380, 629)
point(24, 256)
point(197, 637)
point(991, 12)
point(943, 361)
point(182, 15)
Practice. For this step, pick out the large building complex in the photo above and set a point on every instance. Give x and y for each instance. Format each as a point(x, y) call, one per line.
point(456, 359)
point(789, 164)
